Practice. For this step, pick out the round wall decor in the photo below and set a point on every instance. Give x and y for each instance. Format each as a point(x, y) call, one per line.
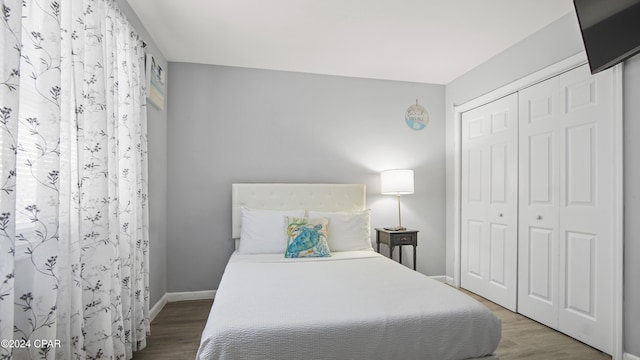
point(416, 117)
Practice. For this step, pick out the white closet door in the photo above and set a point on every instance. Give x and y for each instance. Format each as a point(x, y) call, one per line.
point(586, 208)
point(539, 109)
point(489, 201)
point(566, 205)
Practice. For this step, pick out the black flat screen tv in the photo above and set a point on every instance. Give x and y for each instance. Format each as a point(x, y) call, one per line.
point(610, 30)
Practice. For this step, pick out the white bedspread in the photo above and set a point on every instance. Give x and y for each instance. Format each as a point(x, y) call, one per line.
point(353, 305)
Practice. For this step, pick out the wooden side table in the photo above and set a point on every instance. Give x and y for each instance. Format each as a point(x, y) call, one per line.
point(397, 238)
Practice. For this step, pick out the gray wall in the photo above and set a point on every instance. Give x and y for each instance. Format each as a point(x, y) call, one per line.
point(157, 133)
point(230, 124)
point(556, 42)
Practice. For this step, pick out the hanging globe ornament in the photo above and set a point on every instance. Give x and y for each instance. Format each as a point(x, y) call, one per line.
point(416, 117)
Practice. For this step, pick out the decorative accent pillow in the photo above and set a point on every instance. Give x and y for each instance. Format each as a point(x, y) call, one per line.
point(262, 231)
point(348, 231)
point(306, 237)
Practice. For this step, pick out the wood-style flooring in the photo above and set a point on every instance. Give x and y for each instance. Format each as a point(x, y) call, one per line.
point(175, 332)
point(175, 335)
point(523, 338)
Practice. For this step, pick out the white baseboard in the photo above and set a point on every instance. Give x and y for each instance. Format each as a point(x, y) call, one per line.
point(627, 356)
point(179, 296)
point(191, 295)
point(443, 279)
point(155, 310)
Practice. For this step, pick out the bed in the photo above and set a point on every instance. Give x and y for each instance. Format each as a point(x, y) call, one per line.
point(353, 304)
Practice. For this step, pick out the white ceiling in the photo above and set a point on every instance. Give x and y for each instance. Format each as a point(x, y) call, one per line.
point(428, 41)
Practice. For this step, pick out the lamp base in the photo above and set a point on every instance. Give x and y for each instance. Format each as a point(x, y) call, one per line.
point(396, 228)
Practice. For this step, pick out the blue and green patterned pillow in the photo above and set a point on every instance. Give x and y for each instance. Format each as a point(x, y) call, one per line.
point(307, 237)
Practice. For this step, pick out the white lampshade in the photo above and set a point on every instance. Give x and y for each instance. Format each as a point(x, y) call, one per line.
point(396, 182)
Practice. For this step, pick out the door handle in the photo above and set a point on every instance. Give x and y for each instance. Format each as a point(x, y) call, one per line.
point(539, 217)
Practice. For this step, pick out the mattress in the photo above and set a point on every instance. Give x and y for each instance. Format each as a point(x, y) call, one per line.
point(352, 305)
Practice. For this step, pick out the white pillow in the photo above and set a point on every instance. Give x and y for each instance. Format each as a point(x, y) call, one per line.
point(263, 231)
point(348, 231)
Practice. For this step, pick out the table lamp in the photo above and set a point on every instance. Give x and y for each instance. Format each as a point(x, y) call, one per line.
point(396, 182)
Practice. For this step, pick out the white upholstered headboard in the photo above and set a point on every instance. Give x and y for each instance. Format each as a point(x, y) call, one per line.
point(319, 197)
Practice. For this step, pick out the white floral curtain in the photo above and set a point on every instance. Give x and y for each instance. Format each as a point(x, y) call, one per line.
point(73, 182)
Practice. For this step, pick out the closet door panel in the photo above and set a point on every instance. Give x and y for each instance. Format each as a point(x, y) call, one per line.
point(475, 130)
point(581, 166)
point(586, 209)
point(473, 245)
point(566, 208)
point(539, 106)
point(540, 249)
point(579, 292)
point(489, 201)
point(497, 257)
point(499, 169)
point(540, 172)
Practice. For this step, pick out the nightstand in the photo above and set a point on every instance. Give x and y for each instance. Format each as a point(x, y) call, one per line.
point(397, 238)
